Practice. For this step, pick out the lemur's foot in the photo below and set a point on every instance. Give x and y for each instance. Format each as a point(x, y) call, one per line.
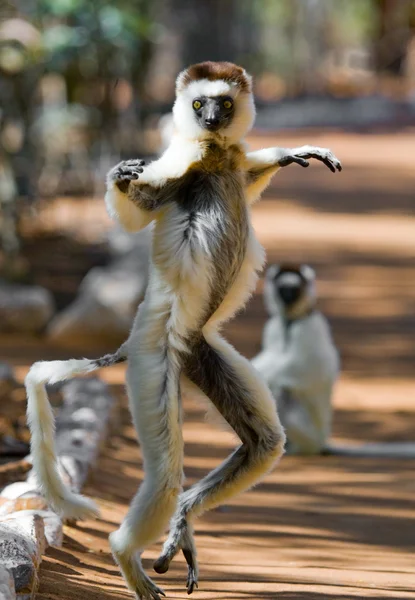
point(300, 156)
point(180, 537)
point(132, 570)
point(126, 171)
point(192, 570)
point(162, 565)
point(148, 590)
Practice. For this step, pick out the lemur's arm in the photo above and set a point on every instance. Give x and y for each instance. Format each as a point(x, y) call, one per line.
point(135, 191)
point(261, 165)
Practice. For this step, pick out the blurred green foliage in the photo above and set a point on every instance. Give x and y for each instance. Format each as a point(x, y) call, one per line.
point(93, 34)
point(89, 46)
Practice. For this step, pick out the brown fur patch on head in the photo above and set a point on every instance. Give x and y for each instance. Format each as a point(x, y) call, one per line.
point(213, 71)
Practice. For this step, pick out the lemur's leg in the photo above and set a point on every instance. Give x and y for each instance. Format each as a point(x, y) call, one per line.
point(243, 399)
point(153, 390)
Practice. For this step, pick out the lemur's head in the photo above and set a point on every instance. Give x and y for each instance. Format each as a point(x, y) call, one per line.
point(290, 290)
point(214, 99)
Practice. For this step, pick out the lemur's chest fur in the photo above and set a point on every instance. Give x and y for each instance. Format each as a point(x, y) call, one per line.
point(205, 227)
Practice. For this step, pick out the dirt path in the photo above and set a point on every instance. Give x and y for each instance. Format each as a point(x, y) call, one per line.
point(316, 528)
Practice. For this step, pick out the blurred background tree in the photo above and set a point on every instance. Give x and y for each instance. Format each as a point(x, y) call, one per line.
point(72, 88)
point(83, 82)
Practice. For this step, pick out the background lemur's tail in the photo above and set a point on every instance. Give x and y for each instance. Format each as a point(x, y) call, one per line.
point(42, 427)
point(375, 450)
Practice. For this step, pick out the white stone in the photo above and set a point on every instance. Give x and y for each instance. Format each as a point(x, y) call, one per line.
point(22, 543)
point(30, 525)
point(7, 590)
point(53, 527)
point(18, 489)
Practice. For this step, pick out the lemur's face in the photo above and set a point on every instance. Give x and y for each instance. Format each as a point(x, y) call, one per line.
point(213, 113)
point(290, 289)
point(214, 99)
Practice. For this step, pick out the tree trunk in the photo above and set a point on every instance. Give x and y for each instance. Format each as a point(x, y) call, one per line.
point(392, 36)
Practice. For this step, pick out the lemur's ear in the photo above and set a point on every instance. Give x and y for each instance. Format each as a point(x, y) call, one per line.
point(273, 271)
point(307, 272)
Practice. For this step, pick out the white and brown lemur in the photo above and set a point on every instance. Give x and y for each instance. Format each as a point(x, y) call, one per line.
point(204, 265)
point(299, 360)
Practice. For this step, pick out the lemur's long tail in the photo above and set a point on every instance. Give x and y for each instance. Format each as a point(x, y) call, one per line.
point(374, 450)
point(42, 427)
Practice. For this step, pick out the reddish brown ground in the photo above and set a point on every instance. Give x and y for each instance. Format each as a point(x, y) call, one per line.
point(316, 528)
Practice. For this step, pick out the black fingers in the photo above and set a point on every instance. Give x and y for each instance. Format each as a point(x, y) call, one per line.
point(127, 171)
point(191, 577)
point(328, 164)
point(330, 161)
point(300, 161)
point(191, 583)
point(288, 160)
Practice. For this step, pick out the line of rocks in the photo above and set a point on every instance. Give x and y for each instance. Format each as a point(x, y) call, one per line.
point(27, 524)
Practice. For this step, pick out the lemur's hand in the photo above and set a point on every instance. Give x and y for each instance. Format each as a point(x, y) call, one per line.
point(126, 171)
point(299, 156)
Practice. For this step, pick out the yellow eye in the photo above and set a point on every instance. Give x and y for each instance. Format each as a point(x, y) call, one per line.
point(228, 104)
point(197, 104)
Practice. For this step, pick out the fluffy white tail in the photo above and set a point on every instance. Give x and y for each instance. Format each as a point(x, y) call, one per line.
point(42, 427)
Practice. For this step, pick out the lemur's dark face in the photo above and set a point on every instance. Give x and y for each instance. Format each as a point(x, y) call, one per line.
point(213, 113)
point(289, 286)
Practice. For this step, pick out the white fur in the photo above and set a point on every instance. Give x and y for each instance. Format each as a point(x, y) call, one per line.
point(42, 426)
point(304, 362)
point(183, 113)
point(173, 163)
point(166, 130)
point(261, 159)
point(126, 213)
point(204, 87)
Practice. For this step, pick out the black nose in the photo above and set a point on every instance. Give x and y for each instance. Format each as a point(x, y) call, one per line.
point(289, 293)
point(211, 122)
